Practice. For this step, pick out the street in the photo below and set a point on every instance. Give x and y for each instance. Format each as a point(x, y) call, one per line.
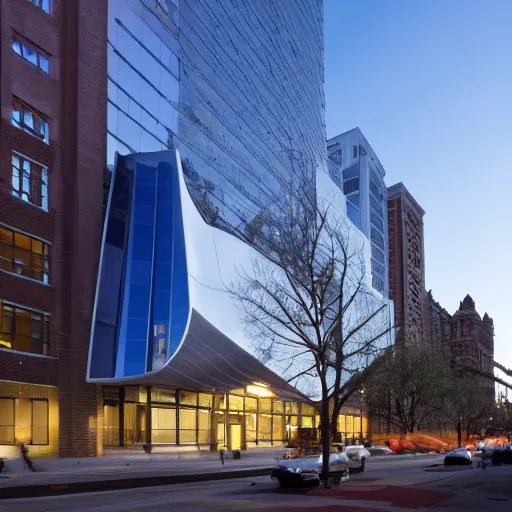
point(386, 485)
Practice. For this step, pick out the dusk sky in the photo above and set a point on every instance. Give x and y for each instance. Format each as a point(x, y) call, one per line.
point(429, 83)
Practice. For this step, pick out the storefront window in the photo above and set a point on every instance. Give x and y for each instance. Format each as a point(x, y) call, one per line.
point(136, 394)
point(236, 403)
point(6, 421)
point(251, 404)
point(188, 425)
point(291, 407)
point(205, 400)
point(357, 426)
point(265, 427)
point(163, 395)
point(307, 421)
point(188, 398)
point(163, 425)
point(204, 426)
point(250, 427)
point(277, 407)
point(308, 410)
point(277, 428)
point(111, 425)
point(265, 405)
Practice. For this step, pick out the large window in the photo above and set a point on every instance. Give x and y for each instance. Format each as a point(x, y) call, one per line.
point(23, 329)
point(27, 119)
point(23, 255)
point(163, 425)
point(6, 420)
point(42, 4)
point(39, 421)
point(29, 181)
point(31, 53)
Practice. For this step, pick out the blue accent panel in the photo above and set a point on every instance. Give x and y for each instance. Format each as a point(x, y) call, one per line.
point(104, 340)
point(143, 301)
point(170, 299)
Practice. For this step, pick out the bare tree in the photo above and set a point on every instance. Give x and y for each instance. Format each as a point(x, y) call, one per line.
point(406, 389)
point(464, 404)
point(307, 302)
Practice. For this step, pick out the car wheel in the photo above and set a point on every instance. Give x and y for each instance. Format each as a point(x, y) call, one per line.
point(363, 463)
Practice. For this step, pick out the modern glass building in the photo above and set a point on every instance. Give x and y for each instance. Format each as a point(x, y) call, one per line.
point(237, 87)
point(354, 165)
point(212, 106)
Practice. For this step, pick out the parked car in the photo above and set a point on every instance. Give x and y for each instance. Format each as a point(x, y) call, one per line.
point(458, 457)
point(306, 471)
point(380, 450)
point(502, 455)
point(358, 454)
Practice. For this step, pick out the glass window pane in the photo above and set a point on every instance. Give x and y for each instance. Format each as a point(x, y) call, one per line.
point(28, 119)
point(7, 320)
point(188, 419)
point(23, 322)
point(307, 421)
point(6, 257)
point(205, 400)
point(308, 410)
point(265, 405)
point(44, 131)
point(188, 398)
point(27, 168)
point(45, 5)
point(163, 419)
point(16, 175)
point(250, 427)
point(16, 46)
point(204, 419)
point(236, 403)
point(6, 421)
point(44, 189)
point(163, 395)
point(39, 422)
point(22, 241)
point(44, 64)
point(277, 428)
point(264, 426)
point(251, 404)
point(29, 54)
point(22, 262)
point(37, 247)
point(16, 114)
point(5, 236)
point(277, 407)
point(203, 437)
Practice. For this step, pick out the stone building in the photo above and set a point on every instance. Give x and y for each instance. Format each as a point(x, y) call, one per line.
point(406, 264)
point(465, 338)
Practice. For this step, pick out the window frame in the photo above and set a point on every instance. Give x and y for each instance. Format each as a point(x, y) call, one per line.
point(44, 328)
point(42, 121)
point(32, 401)
point(44, 255)
point(40, 5)
point(42, 186)
point(24, 47)
point(13, 425)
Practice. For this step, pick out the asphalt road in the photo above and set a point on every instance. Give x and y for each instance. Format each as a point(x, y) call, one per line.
point(384, 486)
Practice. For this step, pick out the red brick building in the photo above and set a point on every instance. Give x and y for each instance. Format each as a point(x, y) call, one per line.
point(52, 156)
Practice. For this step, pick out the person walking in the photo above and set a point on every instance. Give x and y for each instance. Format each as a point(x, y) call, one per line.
point(26, 458)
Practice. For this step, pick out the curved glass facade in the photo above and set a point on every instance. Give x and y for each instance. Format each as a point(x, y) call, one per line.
point(236, 86)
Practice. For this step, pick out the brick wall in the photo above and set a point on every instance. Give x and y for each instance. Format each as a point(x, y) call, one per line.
point(73, 98)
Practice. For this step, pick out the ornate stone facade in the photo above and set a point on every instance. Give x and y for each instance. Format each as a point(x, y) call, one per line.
point(464, 338)
point(406, 265)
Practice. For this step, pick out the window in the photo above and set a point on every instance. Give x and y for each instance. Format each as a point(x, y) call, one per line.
point(23, 329)
point(6, 421)
point(188, 426)
point(39, 421)
point(354, 151)
point(30, 52)
point(377, 238)
point(163, 425)
point(42, 4)
point(27, 119)
point(350, 186)
point(23, 255)
point(29, 181)
point(377, 283)
point(337, 157)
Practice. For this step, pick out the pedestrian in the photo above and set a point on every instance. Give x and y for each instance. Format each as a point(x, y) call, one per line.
point(26, 458)
point(221, 452)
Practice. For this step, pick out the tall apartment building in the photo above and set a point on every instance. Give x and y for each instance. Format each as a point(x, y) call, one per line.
point(52, 156)
point(407, 265)
point(359, 171)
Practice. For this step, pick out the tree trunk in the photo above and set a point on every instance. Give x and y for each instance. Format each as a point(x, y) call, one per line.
point(459, 434)
point(326, 440)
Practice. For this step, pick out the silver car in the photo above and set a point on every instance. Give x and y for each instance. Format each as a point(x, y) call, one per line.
point(306, 471)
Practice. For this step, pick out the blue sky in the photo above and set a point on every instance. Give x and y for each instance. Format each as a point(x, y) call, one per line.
point(430, 85)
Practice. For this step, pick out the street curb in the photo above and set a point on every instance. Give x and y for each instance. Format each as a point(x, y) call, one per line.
point(39, 490)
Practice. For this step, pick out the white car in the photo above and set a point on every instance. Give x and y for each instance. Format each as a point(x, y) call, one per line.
point(357, 453)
